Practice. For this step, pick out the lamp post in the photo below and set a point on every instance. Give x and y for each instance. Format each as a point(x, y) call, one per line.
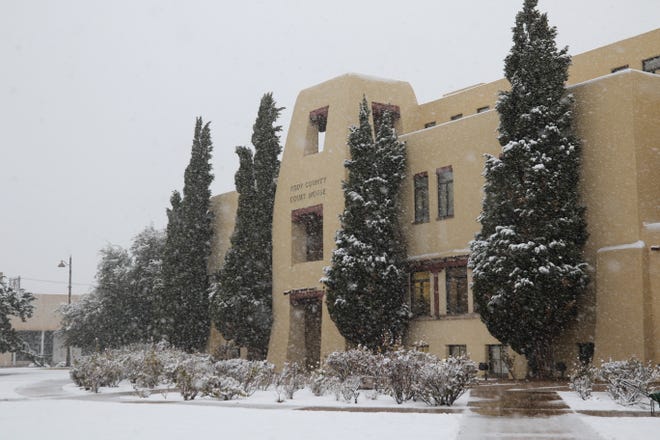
point(68, 347)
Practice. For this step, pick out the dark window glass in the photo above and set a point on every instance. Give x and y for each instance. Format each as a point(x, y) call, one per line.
point(651, 65)
point(457, 292)
point(421, 198)
point(445, 192)
point(456, 350)
point(420, 298)
point(457, 116)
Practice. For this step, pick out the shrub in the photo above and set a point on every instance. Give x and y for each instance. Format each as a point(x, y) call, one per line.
point(442, 382)
point(250, 375)
point(290, 380)
point(628, 381)
point(402, 368)
point(192, 374)
point(96, 371)
point(223, 388)
point(582, 378)
point(355, 362)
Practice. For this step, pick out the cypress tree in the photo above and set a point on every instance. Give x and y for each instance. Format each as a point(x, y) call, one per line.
point(242, 304)
point(527, 261)
point(367, 279)
point(186, 319)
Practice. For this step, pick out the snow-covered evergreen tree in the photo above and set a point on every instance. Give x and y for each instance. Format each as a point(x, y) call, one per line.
point(121, 309)
point(367, 279)
point(186, 282)
point(527, 261)
point(242, 304)
point(16, 303)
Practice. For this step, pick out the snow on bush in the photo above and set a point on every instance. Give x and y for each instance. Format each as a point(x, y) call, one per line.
point(291, 379)
point(582, 379)
point(442, 382)
point(402, 371)
point(250, 375)
point(628, 381)
point(96, 371)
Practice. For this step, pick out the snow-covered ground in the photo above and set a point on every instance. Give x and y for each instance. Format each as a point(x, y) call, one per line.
point(41, 403)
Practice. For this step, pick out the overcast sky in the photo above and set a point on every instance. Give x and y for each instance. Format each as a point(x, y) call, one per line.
point(98, 99)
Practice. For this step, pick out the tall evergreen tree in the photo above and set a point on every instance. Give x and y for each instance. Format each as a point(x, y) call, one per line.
point(186, 281)
point(367, 279)
point(242, 304)
point(527, 261)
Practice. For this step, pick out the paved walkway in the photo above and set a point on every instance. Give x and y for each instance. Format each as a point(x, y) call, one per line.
point(511, 412)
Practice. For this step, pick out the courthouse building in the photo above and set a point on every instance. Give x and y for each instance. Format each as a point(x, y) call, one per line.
point(617, 114)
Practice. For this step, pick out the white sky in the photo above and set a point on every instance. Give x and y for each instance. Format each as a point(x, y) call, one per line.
point(98, 99)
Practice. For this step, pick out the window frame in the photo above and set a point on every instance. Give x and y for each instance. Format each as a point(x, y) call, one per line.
point(421, 198)
point(445, 192)
point(457, 300)
point(462, 350)
point(305, 218)
point(420, 288)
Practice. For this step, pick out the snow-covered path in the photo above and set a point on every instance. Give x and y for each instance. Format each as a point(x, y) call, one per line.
point(41, 403)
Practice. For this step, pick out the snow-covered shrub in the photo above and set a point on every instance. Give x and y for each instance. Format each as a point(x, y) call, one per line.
point(442, 382)
point(251, 375)
point(402, 370)
point(319, 382)
point(355, 362)
point(582, 379)
point(96, 371)
point(290, 380)
point(192, 375)
point(226, 351)
point(144, 369)
point(349, 388)
point(628, 381)
point(223, 388)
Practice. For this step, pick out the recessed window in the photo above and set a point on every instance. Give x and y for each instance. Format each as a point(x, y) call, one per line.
point(445, 192)
point(307, 234)
point(421, 182)
point(318, 121)
point(457, 116)
point(457, 291)
point(378, 110)
point(496, 360)
point(456, 350)
point(420, 294)
point(651, 65)
point(483, 109)
point(429, 124)
point(617, 69)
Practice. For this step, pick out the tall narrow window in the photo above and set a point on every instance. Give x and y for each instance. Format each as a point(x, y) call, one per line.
point(307, 234)
point(421, 182)
point(445, 192)
point(457, 291)
point(420, 295)
point(318, 121)
point(496, 363)
point(379, 110)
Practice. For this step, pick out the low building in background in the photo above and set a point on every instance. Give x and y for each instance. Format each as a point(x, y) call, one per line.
point(617, 91)
point(40, 333)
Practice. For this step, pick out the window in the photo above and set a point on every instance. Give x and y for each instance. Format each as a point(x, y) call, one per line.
point(585, 352)
point(651, 65)
point(456, 350)
point(496, 360)
point(457, 292)
point(420, 295)
point(318, 121)
point(457, 116)
point(421, 197)
point(616, 69)
point(307, 234)
point(483, 109)
point(429, 124)
point(445, 192)
point(379, 110)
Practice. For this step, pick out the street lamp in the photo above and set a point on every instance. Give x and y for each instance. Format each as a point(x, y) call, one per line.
point(68, 347)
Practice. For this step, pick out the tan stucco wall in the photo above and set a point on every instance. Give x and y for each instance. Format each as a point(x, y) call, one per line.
point(616, 116)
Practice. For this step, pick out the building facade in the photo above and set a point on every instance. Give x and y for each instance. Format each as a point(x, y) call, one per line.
point(617, 91)
point(40, 333)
